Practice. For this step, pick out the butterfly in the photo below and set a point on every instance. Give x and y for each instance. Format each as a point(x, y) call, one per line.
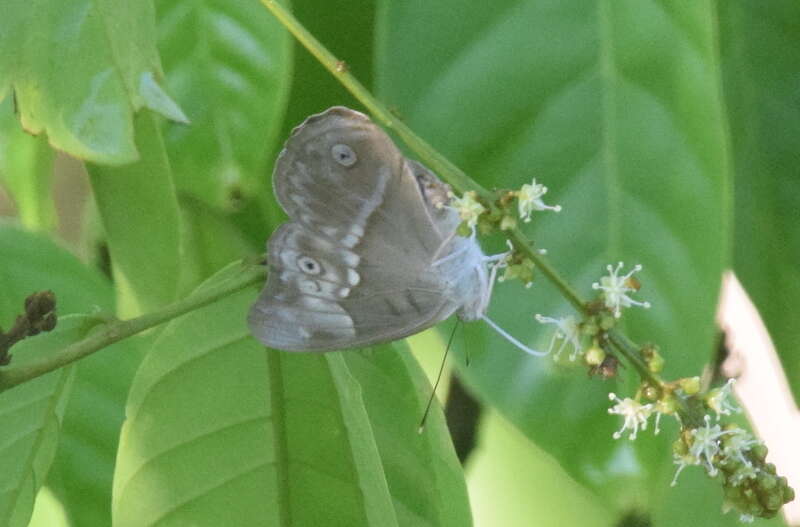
point(370, 253)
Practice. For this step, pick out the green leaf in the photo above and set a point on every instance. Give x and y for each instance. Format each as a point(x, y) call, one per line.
point(140, 214)
point(760, 50)
point(26, 169)
point(281, 439)
point(32, 262)
point(31, 416)
point(211, 240)
point(229, 64)
point(395, 392)
point(315, 89)
point(81, 472)
point(79, 70)
point(616, 107)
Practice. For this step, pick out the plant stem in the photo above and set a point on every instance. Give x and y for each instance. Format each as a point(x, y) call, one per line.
point(524, 245)
point(116, 330)
point(630, 350)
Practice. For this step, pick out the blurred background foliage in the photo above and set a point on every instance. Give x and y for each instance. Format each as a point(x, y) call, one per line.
point(668, 131)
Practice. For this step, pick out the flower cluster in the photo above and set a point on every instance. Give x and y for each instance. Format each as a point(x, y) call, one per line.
point(751, 484)
point(725, 451)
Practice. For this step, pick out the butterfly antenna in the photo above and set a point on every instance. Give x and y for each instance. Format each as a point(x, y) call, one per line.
point(503, 333)
point(467, 357)
point(438, 378)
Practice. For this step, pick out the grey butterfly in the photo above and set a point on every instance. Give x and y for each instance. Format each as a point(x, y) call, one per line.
point(370, 253)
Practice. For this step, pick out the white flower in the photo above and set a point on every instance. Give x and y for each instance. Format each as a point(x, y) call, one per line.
point(737, 443)
point(635, 414)
point(706, 444)
point(468, 208)
point(615, 289)
point(567, 330)
point(529, 198)
point(718, 400)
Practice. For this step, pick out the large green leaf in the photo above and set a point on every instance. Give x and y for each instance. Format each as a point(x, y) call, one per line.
point(281, 439)
point(26, 170)
point(616, 107)
point(78, 70)
point(139, 210)
point(81, 472)
point(761, 57)
point(229, 65)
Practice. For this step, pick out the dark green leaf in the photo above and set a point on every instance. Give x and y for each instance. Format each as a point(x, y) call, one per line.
point(314, 88)
point(760, 58)
point(616, 107)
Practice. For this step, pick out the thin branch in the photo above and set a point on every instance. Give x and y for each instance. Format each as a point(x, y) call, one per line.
point(110, 332)
point(630, 350)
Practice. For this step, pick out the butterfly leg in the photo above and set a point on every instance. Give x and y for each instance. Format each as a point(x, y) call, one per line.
point(444, 244)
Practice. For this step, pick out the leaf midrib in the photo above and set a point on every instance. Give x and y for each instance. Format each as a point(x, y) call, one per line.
point(608, 141)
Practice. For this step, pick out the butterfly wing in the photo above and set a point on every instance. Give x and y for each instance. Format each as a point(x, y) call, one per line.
point(353, 267)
